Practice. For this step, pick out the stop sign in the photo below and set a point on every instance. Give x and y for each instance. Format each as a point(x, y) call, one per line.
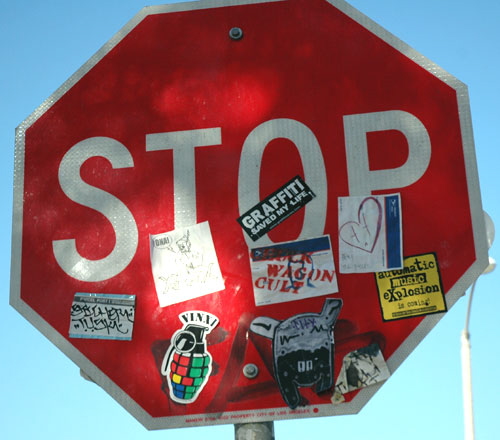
point(246, 211)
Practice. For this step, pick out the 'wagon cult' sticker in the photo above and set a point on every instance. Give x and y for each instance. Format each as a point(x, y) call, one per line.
point(303, 349)
point(275, 208)
point(293, 270)
point(412, 291)
point(370, 235)
point(187, 363)
point(185, 264)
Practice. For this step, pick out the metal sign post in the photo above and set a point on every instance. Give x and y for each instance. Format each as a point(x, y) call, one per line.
point(254, 431)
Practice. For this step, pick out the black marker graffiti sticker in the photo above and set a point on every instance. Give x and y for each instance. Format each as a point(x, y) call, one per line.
point(102, 316)
point(303, 348)
point(187, 364)
point(293, 270)
point(275, 208)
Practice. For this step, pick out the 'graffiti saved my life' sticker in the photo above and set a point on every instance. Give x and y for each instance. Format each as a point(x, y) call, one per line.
point(275, 208)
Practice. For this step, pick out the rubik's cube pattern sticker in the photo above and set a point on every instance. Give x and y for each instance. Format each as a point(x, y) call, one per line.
point(187, 364)
point(188, 373)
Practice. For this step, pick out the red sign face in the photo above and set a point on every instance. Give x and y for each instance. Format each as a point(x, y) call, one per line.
point(228, 209)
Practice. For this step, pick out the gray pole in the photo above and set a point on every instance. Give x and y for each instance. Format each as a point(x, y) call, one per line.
point(467, 373)
point(466, 351)
point(254, 431)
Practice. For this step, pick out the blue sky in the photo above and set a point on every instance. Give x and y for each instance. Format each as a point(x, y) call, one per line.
point(43, 395)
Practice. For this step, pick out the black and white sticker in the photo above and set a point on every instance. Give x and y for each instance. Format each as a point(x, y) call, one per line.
point(275, 208)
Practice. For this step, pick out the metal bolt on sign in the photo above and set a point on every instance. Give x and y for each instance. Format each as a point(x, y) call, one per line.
point(250, 371)
point(236, 33)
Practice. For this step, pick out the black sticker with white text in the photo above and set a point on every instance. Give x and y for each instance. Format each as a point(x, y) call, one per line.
point(275, 208)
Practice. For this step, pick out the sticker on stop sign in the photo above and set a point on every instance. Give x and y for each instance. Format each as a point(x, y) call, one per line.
point(370, 233)
point(275, 208)
point(293, 271)
point(185, 264)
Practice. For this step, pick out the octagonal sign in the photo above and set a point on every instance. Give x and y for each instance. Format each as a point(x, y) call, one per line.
point(246, 211)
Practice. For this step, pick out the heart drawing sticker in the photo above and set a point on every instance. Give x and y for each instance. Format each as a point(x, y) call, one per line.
point(363, 233)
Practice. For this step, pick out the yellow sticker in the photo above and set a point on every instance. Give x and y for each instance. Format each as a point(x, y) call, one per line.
point(412, 291)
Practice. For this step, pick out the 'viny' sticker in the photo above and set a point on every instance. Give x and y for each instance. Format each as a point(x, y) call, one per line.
point(187, 364)
point(370, 234)
point(185, 264)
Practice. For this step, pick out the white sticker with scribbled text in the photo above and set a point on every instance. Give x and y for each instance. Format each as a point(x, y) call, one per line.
point(185, 264)
point(102, 316)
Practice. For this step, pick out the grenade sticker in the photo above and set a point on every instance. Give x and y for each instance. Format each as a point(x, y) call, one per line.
point(187, 363)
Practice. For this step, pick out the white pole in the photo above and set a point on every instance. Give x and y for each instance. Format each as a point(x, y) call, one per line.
point(467, 373)
point(467, 387)
point(465, 343)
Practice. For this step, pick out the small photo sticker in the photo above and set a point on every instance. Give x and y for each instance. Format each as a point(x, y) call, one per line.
point(414, 290)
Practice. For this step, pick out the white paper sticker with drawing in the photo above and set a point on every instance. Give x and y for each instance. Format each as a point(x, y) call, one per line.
point(370, 235)
point(185, 264)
